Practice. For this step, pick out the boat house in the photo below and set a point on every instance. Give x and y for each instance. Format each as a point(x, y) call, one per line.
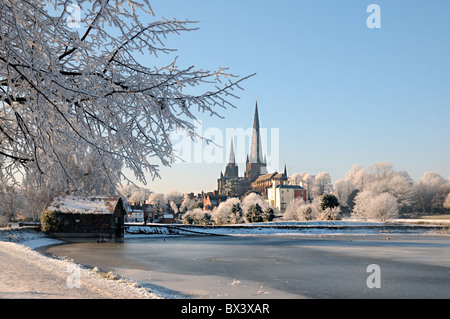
point(85, 217)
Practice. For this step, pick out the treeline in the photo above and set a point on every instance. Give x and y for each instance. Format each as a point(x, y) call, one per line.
point(377, 192)
point(380, 192)
point(252, 208)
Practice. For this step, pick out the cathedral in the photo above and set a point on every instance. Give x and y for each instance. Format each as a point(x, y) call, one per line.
point(255, 176)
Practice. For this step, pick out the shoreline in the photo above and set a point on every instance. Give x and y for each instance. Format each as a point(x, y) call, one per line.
point(23, 257)
point(28, 273)
point(200, 267)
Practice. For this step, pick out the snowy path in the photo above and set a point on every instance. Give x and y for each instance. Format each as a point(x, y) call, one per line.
point(25, 273)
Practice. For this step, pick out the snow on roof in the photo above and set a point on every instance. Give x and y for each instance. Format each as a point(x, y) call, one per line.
point(84, 204)
point(290, 186)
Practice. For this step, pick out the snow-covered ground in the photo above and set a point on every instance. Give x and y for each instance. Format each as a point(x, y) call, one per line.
point(26, 273)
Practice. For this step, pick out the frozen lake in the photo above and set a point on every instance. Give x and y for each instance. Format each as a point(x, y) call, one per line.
point(410, 266)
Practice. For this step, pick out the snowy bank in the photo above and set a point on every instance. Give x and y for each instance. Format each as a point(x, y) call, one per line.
point(26, 273)
point(27, 237)
point(285, 228)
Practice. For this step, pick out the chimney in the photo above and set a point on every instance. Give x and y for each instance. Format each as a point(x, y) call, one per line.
point(274, 193)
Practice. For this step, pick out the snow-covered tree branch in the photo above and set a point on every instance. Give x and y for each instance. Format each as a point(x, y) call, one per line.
point(65, 89)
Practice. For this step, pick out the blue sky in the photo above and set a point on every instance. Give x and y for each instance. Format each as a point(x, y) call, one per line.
point(339, 93)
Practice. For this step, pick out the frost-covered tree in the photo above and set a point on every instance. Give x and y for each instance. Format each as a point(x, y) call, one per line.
point(342, 189)
point(186, 203)
point(297, 209)
point(224, 213)
point(382, 170)
point(440, 197)
point(85, 173)
point(325, 207)
point(197, 216)
point(369, 205)
point(447, 201)
point(36, 198)
point(379, 178)
point(174, 196)
point(236, 214)
point(322, 184)
point(127, 190)
point(156, 199)
point(358, 177)
point(11, 202)
point(173, 207)
point(251, 199)
point(296, 179)
point(426, 189)
point(397, 183)
point(68, 86)
point(140, 195)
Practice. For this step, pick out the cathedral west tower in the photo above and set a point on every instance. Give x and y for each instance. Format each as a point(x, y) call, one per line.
point(231, 172)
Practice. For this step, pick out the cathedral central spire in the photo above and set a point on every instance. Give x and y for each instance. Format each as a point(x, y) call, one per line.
point(255, 151)
point(256, 176)
point(231, 159)
point(256, 164)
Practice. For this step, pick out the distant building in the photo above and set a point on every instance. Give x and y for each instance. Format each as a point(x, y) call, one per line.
point(231, 176)
point(213, 200)
point(139, 212)
point(256, 176)
point(135, 212)
point(280, 195)
point(256, 165)
point(167, 218)
point(264, 182)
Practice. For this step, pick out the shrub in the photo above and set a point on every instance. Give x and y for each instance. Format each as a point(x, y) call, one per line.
point(329, 208)
point(197, 216)
point(235, 216)
point(306, 212)
point(330, 213)
point(268, 215)
point(254, 214)
point(252, 199)
point(227, 212)
point(50, 221)
point(329, 201)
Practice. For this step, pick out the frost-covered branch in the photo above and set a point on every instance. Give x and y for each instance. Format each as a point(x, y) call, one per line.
point(64, 90)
